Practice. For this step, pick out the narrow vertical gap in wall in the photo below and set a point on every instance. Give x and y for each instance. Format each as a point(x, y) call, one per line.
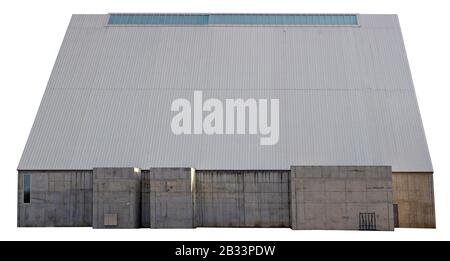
point(193, 196)
point(26, 188)
point(141, 185)
point(241, 175)
point(396, 219)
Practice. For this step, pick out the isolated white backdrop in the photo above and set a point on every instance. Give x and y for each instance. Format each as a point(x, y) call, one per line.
point(31, 35)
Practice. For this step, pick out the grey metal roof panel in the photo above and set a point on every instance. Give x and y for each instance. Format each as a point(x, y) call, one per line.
point(346, 96)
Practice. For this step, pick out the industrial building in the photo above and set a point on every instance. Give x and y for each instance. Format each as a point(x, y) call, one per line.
point(307, 121)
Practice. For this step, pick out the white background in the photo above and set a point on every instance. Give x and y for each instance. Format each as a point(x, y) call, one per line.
point(31, 35)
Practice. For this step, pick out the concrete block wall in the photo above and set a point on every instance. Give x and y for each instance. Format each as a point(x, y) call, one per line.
point(307, 197)
point(266, 198)
point(219, 199)
point(331, 197)
point(171, 197)
point(414, 195)
point(116, 191)
point(58, 198)
point(242, 198)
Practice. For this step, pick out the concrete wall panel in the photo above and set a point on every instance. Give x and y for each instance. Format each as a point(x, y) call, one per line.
point(116, 191)
point(414, 194)
point(58, 198)
point(242, 198)
point(327, 197)
point(171, 199)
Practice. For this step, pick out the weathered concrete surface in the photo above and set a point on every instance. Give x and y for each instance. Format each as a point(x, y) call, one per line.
point(325, 197)
point(242, 198)
point(321, 198)
point(58, 198)
point(414, 194)
point(116, 191)
point(171, 197)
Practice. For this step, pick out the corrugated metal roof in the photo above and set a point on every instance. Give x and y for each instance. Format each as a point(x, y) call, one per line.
point(346, 96)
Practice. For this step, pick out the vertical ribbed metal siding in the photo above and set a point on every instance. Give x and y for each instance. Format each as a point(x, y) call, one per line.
point(346, 97)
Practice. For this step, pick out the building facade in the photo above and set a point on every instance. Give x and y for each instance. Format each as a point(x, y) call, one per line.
point(134, 128)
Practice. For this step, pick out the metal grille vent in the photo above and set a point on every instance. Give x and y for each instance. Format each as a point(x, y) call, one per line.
point(367, 221)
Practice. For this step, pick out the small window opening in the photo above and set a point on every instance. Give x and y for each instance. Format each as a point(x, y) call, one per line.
point(26, 188)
